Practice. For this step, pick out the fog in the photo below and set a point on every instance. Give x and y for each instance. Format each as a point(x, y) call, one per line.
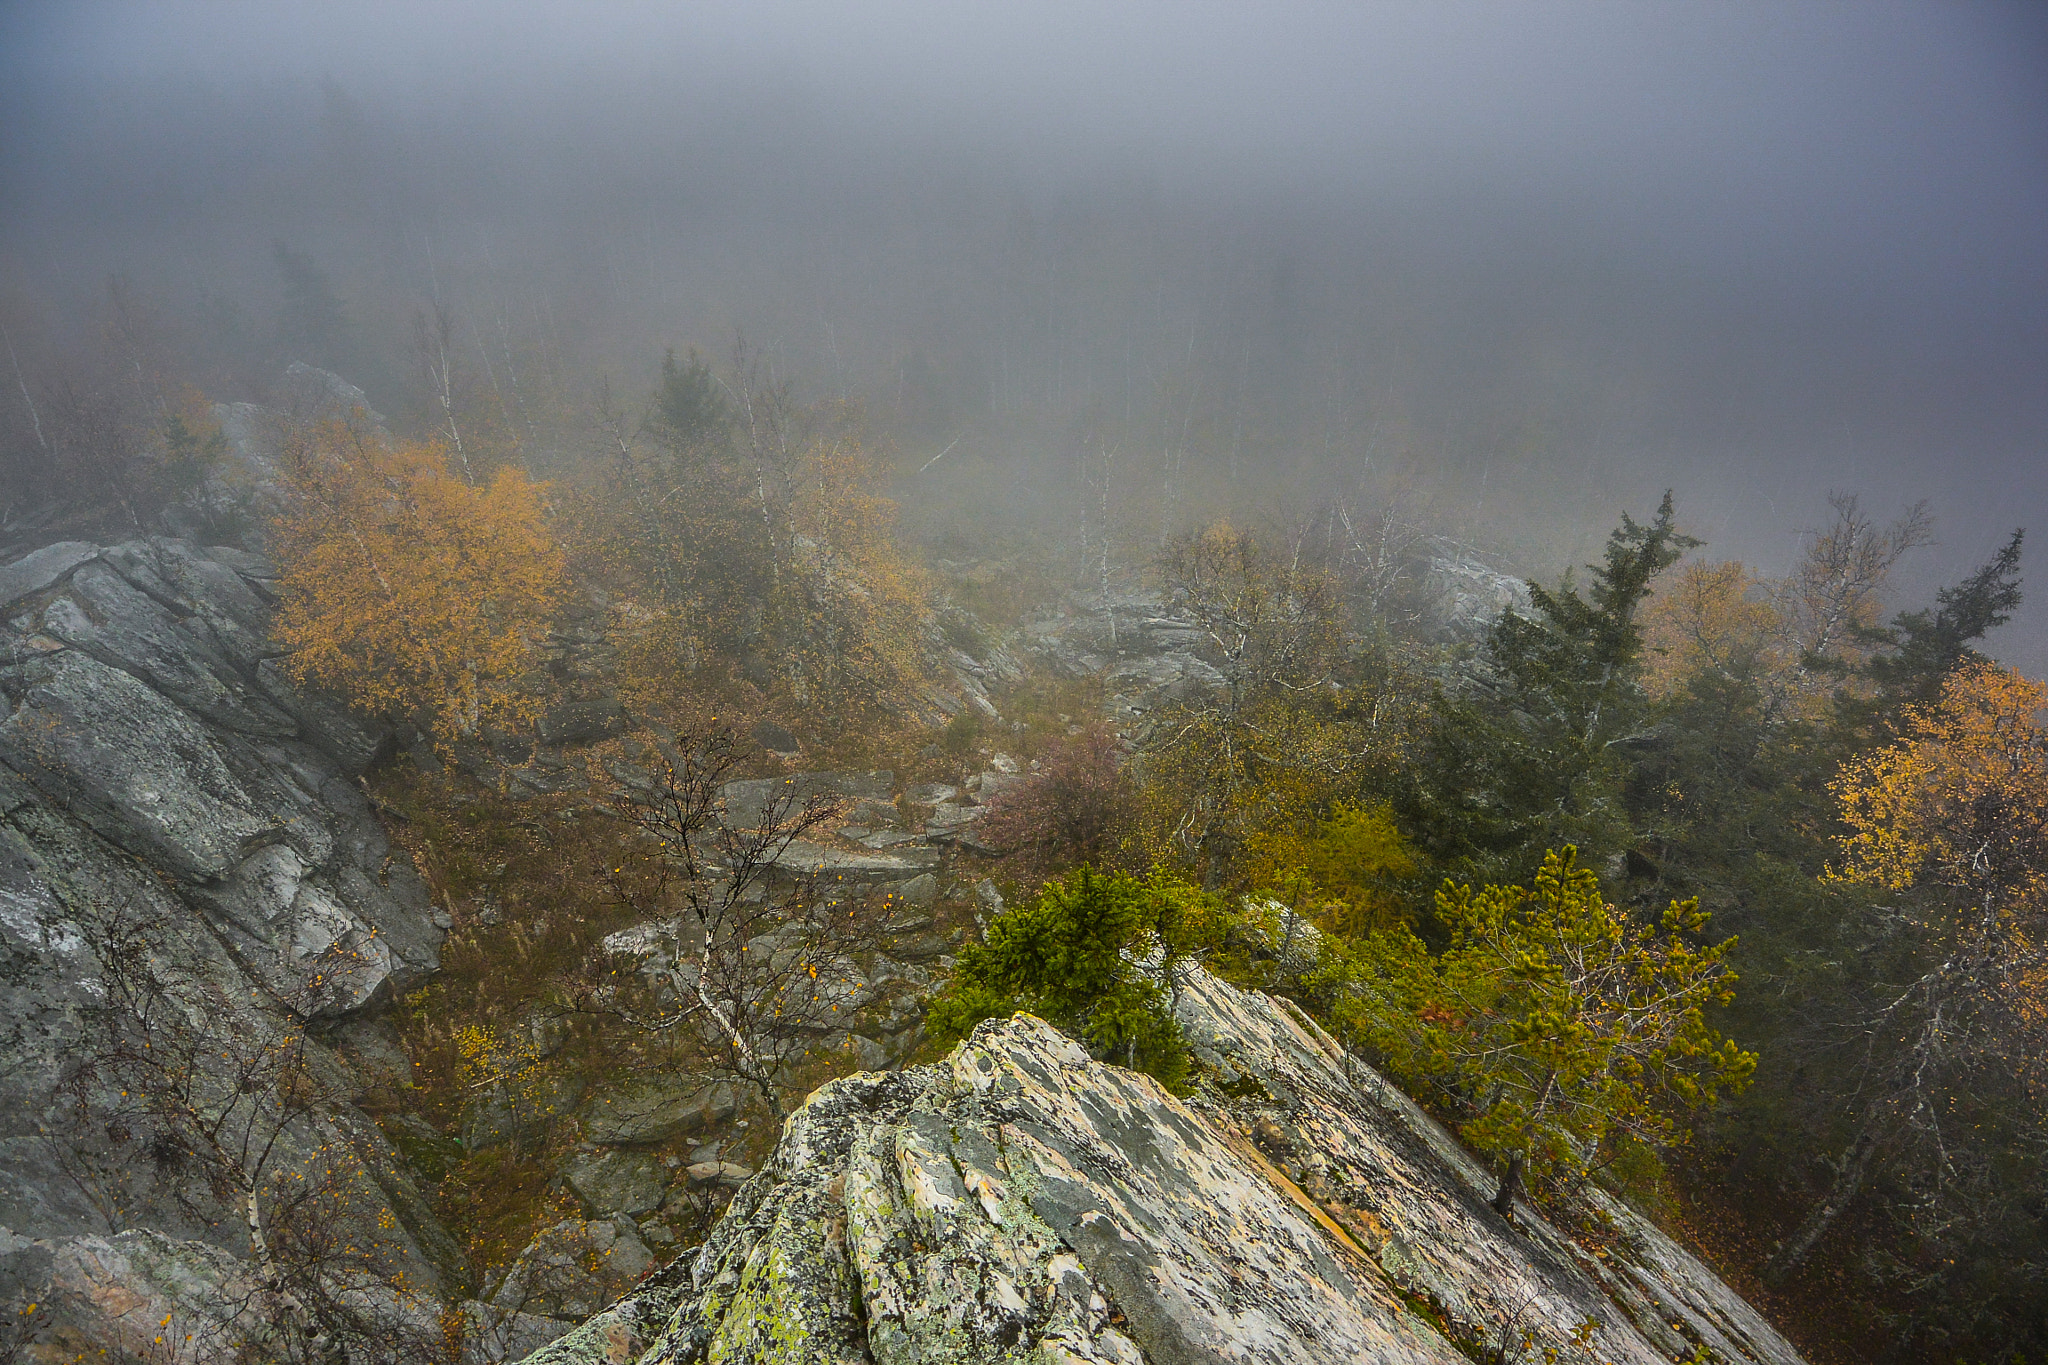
point(1553, 257)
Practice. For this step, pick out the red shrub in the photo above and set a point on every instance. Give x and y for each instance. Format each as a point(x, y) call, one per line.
point(1071, 811)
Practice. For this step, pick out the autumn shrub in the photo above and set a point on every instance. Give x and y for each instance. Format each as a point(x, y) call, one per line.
point(407, 590)
point(961, 733)
point(1260, 747)
point(1073, 810)
point(1356, 860)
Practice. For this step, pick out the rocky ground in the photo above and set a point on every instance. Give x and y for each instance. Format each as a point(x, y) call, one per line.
point(156, 767)
point(155, 762)
point(1019, 1201)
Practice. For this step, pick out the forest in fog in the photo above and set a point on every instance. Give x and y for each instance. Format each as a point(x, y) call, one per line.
point(1487, 484)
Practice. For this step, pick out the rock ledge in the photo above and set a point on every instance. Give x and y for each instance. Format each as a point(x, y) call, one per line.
point(1020, 1201)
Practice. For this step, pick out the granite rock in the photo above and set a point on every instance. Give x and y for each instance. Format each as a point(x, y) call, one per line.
point(1021, 1201)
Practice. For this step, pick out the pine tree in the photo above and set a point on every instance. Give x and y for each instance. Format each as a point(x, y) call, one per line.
point(1552, 1023)
point(1096, 954)
point(1532, 750)
point(1921, 648)
point(312, 324)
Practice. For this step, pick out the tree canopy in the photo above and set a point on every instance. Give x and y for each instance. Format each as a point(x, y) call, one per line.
point(1552, 1023)
point(407, 590)
point(1532, 750)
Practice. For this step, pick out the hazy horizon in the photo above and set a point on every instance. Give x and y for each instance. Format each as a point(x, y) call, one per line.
point(1566, 255)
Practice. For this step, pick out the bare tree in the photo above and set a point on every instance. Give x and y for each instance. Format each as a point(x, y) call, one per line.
point(1271, 630)
point(1371, 552)
point(217, 1102)
point(772, 446)
point(1838, 587)
point(21, 382)
point(433, 341)
point(1105, 470)
point(141, 339)
point(758, 961)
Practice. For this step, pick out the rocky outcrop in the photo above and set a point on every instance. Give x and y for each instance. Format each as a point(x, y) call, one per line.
point(1020, 1201)
point(1147, 655)
point(155, 763)
point(1462, 596)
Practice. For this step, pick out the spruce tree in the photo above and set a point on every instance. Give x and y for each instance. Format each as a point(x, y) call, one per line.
point(1531, 748)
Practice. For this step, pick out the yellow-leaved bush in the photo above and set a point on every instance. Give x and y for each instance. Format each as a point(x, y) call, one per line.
point(407, 590)
point(1554, 1024)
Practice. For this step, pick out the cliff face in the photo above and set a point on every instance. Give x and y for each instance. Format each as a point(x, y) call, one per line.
point(155, 764)
point(1019, 1201)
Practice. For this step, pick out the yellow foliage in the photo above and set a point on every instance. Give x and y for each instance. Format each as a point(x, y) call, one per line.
point(1353, 862)
point(1959, 804)
point(1961, 798)
point(408, 590)
point(487, 1058)
point(851, 611)
point(1799, 639)
point(768, 547)
point(1230, 775)
point(1710, 618)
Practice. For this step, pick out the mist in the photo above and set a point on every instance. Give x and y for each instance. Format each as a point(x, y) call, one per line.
point(1545, 260)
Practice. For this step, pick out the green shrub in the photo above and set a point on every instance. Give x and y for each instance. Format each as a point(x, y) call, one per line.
point(1095, 954)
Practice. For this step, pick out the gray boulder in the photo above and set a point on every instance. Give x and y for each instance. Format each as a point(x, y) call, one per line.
point(522, 1113)
point(315, 395)
point(1021, 1201)
point(801, 858)
point(127, 629)
point(491, 1335)
point(729, 1174)
point(653, 1109)
point(155, 765)
point(1464, 597)
point(574, 1268)
point(583, 722)
point(35, 572)
point(134, 766)
point(921, 891)
point(747, 800)
point(617, 1180)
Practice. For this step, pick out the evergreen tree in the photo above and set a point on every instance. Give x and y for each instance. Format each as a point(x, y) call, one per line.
point(311, 326)
point(1532, 750)
point(1922, 648)
point(688, 412)
point(1096, 954)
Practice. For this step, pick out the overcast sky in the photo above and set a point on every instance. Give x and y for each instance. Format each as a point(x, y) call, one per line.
point(1755, 250)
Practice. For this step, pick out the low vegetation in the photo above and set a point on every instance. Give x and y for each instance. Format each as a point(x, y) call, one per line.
point(1725, 890)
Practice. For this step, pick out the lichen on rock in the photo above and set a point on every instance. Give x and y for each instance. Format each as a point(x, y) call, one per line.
point(1019, 1201)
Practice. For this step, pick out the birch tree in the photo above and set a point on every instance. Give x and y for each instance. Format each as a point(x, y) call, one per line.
point(1950, 821)
point(407, 590)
